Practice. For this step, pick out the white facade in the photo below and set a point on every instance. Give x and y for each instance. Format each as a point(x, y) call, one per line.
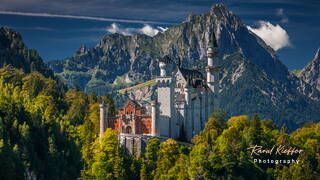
point(185, 99)
point(103, 116)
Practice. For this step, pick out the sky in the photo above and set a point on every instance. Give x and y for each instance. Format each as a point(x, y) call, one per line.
point(57, 28)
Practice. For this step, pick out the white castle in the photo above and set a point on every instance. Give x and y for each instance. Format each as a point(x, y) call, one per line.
point(184, 100)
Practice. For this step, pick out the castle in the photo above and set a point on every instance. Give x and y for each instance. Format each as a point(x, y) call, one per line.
point(184, 100)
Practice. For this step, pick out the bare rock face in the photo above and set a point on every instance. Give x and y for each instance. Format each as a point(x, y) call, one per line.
point(252, 78)
point(116, 54)
point(311, 73)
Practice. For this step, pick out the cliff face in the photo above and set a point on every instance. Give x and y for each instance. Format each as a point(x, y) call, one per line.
point(253, 80)
point(311, 75)
point(14, 52)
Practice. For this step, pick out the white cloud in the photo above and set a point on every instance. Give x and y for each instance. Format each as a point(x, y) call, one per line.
point(273, 35)
point(146, 29)
point(114, 28)
point(150, 31)
point(162, 28)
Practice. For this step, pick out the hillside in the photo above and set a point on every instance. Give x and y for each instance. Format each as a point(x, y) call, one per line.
point(15, 53)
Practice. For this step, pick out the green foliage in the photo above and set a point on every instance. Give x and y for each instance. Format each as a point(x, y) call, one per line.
point(107, 161)
point(48, 133)
point(307, 138)
point(111, 104)
point(150, 159)
point(77, 102)
point(168, 154)
point(33, 142)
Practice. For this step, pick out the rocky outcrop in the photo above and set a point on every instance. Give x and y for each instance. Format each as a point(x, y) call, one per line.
point(311, 75)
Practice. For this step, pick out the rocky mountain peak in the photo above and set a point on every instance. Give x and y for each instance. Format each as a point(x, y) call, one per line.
point(82, 50)
point(219, 8)
point(243, 56)
point(221, 12)
point(317, 56)
point(315, 63)
point(191, 17)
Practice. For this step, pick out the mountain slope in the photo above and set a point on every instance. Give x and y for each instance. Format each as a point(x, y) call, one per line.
point(253, 79)
point(14, 52)
point(311, 75)
point(245, 89)
point(248, 90)
point(135, 56)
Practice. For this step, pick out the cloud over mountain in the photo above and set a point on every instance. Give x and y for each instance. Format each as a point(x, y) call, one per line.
point(146, 29)
point(273, 35)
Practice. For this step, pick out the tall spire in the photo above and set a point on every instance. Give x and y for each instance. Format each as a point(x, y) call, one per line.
point(212, 69)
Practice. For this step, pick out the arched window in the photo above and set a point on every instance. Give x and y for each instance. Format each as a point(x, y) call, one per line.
point(163, 83)
point(128, 130)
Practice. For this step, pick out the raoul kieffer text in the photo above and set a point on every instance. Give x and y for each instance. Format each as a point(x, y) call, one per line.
point(275, 150)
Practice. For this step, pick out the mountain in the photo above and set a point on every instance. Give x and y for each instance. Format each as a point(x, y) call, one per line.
point(311, 75)
point(15, 53)
point(134, 57)
point(253, 79)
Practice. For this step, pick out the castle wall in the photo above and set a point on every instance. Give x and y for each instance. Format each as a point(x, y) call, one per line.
point(136, 144)
point(165, 91)
point(143, 125)
point(131, 119)
point(196, 118)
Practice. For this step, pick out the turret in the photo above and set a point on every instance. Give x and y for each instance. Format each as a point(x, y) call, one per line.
point(163, 71)
point(165, 99)
point(153, 118)
point(213, 74)
point(187, 93)
point(187, 124)
point(103, 118)
point(209, 68)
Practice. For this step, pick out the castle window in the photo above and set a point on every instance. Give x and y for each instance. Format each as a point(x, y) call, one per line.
point(128, 130)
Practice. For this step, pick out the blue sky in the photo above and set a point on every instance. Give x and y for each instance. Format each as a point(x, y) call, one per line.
point(57, 28)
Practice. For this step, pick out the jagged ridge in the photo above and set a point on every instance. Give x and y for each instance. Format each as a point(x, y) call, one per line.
point(251, 71)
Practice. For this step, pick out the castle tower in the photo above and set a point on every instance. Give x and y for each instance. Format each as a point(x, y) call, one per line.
point(165, 99)
point(163, 70)
point(188, 113)
point(213, 74)
point(103, 118)
point(153, 118)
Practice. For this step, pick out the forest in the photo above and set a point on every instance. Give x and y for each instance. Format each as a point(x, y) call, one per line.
point(48, 131)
